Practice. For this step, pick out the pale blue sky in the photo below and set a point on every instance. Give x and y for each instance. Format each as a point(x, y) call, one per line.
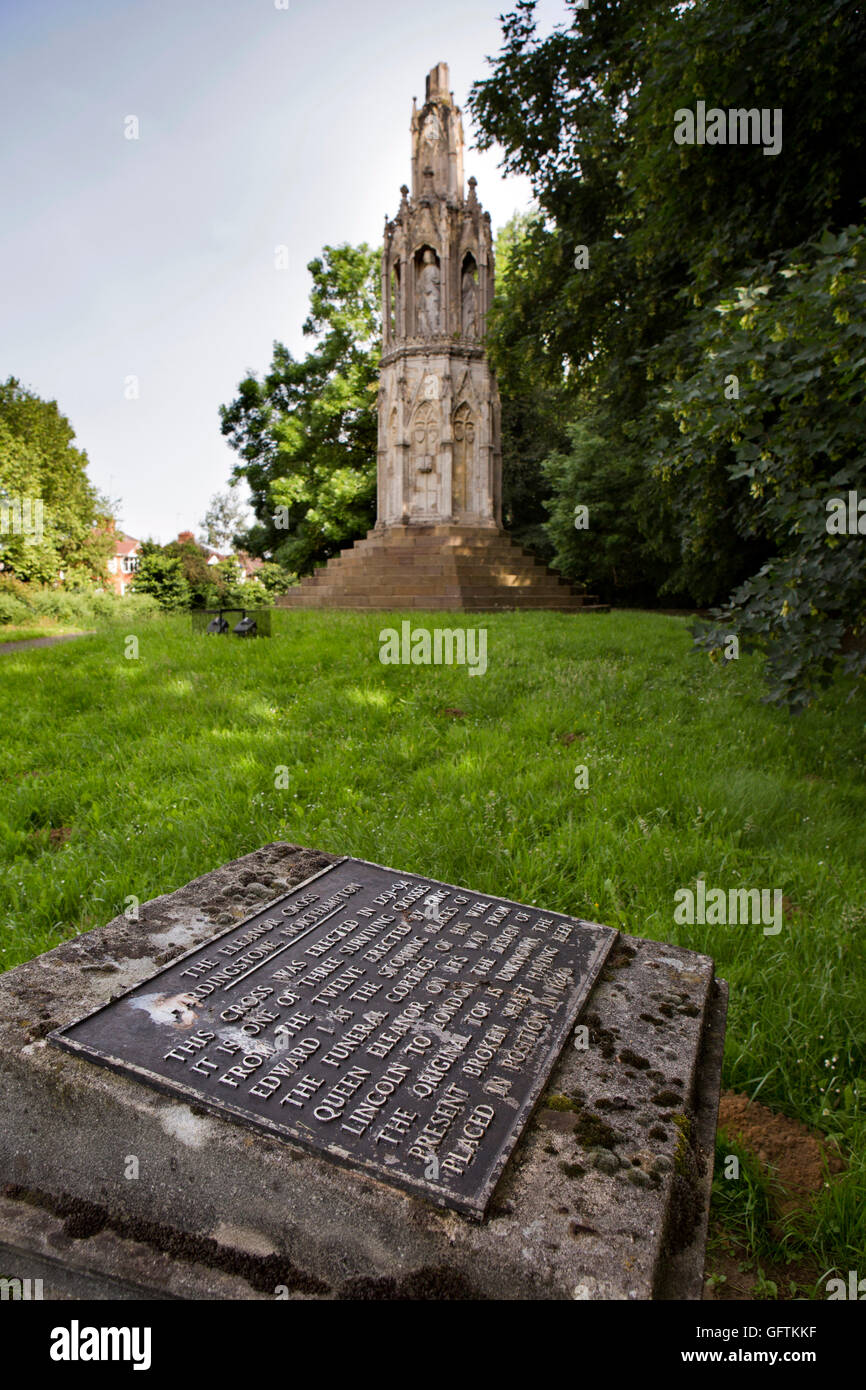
point(155, 258)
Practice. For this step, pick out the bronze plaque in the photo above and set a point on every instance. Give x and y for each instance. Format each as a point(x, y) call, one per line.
point(394, 1024)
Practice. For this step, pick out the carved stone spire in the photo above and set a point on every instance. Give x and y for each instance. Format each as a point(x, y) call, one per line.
point(440, 452)
point(439, 429)
point(437, 141)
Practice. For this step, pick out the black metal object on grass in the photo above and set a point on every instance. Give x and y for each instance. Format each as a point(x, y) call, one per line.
point(231, 620)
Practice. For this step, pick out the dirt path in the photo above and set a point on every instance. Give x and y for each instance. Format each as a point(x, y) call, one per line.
point(41, 641)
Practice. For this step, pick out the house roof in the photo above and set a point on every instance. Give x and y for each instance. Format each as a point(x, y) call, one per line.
point(125, 545)
point(248, 563)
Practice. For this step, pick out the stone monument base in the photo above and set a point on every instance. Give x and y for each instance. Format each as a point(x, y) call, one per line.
point(467, 569)
point(113, 1190)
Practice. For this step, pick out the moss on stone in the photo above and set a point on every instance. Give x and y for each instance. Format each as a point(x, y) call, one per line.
point(573, 1170)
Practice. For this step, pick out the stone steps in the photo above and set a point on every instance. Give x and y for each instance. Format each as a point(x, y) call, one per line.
point(415, 583)
point(437, 567)
point(513, 593)
point(434, 604)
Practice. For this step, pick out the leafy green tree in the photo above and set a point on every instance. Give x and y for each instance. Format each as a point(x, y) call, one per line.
point(208, 585)
point(533, 415)
point(39, 463)
point(788, 432)
point(307, 432)
point(25, 550)
point(161, 575)
point(637, 234)
point(227, 587)
point(597, 548)
point(196, 571)
point(588, 113)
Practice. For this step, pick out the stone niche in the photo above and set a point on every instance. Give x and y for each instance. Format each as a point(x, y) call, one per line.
point(439, 414)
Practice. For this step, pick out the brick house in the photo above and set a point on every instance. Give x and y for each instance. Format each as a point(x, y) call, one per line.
point(123, 563)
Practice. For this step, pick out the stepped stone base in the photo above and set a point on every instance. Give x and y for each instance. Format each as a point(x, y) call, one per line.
point(470, 569)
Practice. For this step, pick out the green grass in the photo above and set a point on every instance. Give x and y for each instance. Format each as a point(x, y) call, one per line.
point(164, 767)
point(31, 630)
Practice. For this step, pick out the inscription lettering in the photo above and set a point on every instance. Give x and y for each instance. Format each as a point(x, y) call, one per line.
point(380, 1020)
point(380, 1094)
point(352, 1039)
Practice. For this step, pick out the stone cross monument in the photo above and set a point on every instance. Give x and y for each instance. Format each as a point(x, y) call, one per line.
point(438, 542)
point(439, 450)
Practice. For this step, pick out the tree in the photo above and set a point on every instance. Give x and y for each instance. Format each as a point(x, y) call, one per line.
point(27, 548)
point(790, 440)
point(532, 403)
point(597, 548)
point(307, 432)
point(588, 114)
point(162, 576)
point(224, 519)
point(208, 585)
point(42, 474)
point(227, 586)
point(637, 234)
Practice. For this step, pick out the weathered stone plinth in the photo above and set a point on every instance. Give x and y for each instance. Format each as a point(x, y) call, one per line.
point(459, 568)
point(606, 1195)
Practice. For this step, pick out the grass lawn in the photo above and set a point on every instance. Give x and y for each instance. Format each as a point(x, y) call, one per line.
point(131, 776)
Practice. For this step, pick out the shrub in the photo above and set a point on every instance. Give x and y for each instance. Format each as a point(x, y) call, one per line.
point(54, 603)
point(276, 580)
point(9, 584)
point(89, 608)
point(162, 576)
point(12, 610)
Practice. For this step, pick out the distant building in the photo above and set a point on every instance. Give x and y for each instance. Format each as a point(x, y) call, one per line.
point(123, 563)
point(250, 566)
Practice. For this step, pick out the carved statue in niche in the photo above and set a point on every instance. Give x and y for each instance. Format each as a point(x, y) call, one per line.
point(470, 299)
point(464, 453)
point(395, 300)
point(432, 132)
point(429, 296)
point(425, 437)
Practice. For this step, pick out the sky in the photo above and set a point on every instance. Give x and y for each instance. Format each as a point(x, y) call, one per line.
point(153, 258)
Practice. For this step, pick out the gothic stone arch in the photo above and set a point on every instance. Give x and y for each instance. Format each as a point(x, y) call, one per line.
point(464, 431)
point(424, 459)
